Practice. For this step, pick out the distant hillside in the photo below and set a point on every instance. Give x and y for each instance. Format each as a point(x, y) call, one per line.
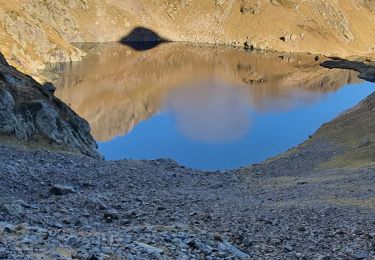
point(34, 32)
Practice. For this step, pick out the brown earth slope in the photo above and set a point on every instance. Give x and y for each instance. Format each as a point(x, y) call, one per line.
point(35, 32)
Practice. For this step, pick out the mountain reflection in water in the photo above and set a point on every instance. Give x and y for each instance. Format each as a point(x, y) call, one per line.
point(197, 103)
point(210, 111)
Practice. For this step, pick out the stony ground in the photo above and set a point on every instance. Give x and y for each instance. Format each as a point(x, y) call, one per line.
point(316, 201)
point(64, 206)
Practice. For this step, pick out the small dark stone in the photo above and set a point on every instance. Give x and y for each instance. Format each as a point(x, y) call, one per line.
point(109, 216)
point(288, 248)
point(168, 239)
point(66, 221)
point(49, 87)
point(45, 236)
point(192, 244)
point(218, 238)
point(61, 190)
point(193, 213)
point(249, 10)
point(302, 229)
point(248, 46)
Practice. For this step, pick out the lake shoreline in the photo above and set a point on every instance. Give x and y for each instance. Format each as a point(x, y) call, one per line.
point(314, 201)
point(174, 211)
point(221, 83)
point(60, 204)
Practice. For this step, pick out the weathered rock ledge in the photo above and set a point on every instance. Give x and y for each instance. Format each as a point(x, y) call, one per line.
point(30, 112)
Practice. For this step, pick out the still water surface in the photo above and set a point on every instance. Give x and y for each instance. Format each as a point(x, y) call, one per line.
point(205, 107)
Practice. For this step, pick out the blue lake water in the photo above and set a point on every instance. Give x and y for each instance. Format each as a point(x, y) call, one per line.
point(208, 108)
point(205, 133)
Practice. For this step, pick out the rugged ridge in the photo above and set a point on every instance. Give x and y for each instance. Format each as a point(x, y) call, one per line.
point(47, 28)
point(30, 112)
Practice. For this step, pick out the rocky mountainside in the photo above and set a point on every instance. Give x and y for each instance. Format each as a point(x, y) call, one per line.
point(30, 112)
point(35, 32)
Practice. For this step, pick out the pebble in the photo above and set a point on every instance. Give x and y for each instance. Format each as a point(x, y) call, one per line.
point(288, 248)
point(109, 216)
point(58, 189)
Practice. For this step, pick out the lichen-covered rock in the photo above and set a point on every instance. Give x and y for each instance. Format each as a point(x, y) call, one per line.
point(29, 111)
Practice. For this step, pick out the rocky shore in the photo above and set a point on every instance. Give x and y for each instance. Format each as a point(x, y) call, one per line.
point(59, 200)
point(64, 206)
point(314, 202)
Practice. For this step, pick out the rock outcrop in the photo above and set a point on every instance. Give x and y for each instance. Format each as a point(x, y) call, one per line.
point(30, 112)
point(36, 32)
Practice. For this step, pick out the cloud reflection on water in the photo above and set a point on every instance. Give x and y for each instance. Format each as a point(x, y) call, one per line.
point(207, 107)
point(210, 111)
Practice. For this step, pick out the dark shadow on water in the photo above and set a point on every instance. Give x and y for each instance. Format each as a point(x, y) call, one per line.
point(142, 39)
point(366, 71)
